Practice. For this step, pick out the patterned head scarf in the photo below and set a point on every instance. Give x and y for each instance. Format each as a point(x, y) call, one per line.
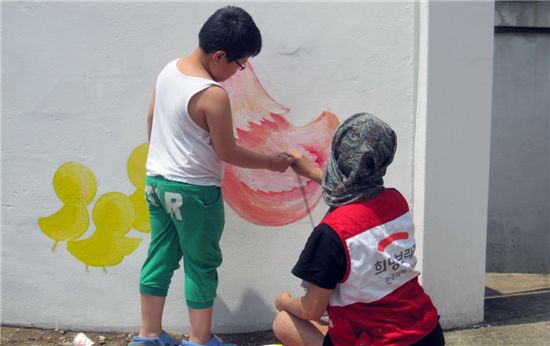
point(362, 148)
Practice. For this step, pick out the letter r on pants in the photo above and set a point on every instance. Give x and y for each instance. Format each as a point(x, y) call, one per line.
point(173, 203)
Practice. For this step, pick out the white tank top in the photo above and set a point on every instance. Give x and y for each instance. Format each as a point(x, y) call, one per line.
point(179, 149)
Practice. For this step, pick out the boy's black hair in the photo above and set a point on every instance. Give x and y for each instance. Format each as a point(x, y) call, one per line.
point(232, 30)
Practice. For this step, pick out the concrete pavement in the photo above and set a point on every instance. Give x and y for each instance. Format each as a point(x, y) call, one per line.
point(517, 312)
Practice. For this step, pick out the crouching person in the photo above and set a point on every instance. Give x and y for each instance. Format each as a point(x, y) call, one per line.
point(359, 261)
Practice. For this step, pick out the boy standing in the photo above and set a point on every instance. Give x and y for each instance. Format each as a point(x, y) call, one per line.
point(190, 131)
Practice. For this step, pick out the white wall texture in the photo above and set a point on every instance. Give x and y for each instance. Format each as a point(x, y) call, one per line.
point(76, 81)
point(451, 164)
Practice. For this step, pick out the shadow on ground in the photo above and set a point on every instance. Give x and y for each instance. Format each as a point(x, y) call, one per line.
point(517, 312)
point(521, 307)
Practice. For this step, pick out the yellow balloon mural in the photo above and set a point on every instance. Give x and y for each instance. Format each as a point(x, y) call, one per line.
point(114, 214)
point(75, 185)
point(136, 173)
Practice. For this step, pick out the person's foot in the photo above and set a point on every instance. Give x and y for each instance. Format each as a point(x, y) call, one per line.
point(164, 339)
point(139, 341)
point(212, 342)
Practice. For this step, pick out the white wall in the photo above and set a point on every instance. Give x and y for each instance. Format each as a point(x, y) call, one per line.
point(76, 80)
point(451, 166)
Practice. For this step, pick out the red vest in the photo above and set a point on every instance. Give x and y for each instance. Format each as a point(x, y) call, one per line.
point(379, 301)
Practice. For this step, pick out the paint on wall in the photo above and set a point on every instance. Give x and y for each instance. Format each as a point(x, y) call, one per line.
point(91, 96)
point(75, 185)
point(136, 174)
point(264, 197)
point(114, 214)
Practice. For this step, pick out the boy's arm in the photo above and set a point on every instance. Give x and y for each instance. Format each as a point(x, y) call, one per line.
point(150, 116)
point(311, 306)
point(214, 102)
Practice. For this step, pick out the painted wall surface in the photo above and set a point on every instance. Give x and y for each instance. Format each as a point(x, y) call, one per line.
point(76, 81)
point(518, 229)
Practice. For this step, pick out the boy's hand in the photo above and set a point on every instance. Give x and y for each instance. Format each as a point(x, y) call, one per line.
point(305, 167)
point(279, 162)
point(282, 300)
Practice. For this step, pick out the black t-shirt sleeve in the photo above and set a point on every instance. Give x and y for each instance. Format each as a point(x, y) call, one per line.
point(323, 259)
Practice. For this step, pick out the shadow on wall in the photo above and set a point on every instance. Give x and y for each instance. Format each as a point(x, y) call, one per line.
point(518, 225)
point(252, 308)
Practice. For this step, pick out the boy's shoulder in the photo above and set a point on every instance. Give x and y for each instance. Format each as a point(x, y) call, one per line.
point(213, 100)
point(215, 93)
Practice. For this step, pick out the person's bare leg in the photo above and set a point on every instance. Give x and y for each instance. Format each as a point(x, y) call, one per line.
point(201, 325)
point(293, 331)
point(152, 308)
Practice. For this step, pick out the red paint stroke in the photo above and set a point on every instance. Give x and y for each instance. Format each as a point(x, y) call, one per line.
point(387, 241)
point(264, 197)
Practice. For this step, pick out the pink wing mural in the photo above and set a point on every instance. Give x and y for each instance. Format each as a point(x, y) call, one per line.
point(259, 196)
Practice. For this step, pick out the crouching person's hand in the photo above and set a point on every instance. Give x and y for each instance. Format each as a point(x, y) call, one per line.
point(282, 300)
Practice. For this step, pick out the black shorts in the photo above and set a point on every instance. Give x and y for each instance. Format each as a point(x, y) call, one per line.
point(435, 338)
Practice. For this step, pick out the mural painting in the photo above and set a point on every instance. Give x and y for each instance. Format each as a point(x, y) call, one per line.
point(114, 214)
point(136, 174)
point(75, 185)
point(261, 197)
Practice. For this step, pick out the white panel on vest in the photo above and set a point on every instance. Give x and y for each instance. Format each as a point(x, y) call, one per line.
point(381, 260)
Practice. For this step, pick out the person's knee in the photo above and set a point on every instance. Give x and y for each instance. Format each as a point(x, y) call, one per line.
point(280, 324)
point(155, 282)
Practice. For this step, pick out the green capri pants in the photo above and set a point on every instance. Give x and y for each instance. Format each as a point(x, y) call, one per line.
point(186, 220)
